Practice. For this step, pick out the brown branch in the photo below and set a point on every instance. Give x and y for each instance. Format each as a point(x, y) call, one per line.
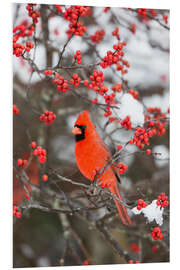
point(113, 242)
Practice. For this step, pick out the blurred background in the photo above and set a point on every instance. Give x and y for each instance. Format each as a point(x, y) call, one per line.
point(45, 238)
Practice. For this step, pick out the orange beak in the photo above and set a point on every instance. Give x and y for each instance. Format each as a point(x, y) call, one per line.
point(76, 131)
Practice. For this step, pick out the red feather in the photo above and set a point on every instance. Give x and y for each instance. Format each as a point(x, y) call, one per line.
point(91, 153)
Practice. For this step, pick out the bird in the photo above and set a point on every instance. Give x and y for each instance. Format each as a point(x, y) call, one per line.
point(92, 154)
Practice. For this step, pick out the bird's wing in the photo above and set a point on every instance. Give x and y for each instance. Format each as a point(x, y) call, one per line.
point(116, 171)
point(108, 156)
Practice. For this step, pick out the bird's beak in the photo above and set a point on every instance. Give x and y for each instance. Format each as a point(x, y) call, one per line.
point(76, 131)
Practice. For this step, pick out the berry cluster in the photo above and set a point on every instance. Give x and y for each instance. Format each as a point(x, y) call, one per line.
point(153, 12)
point(117, 87)
point(59, 8)
point(116, 57)
point(109, 99)
point(141, 137)
point(29, 46)
point(77, 57)
point(108, 111)
point(76, 28)
point(143, 14)
point(75, 80)
point(141, 204)
point(48, 72)
point(157, 233)
point(34, 14)
point(40, 153)
point(48, 117)
point(98, 36)
point(142, 11)
point(72, 14)
point(112, 119)
point(148, 14)
point(122, 167)
point(162, 200)
point(15, 109)
point(20, 31)
point(97, 79)
point(19, 49)
point(23, 29)
point(94, 101)
point(126, 123)
point(16, 213)
point(62, 84)
point(113, 57)
point(133, 28)
point(157, 126)
point(135, 94)
point(131, 262)
point(115, 33)
point(134, 247)
point(154, 110)
point(22, 162)
point(122, 65)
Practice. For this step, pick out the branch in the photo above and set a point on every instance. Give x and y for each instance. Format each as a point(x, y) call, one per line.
point(113, 242)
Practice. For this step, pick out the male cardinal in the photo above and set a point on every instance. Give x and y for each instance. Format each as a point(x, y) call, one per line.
point(91, 153)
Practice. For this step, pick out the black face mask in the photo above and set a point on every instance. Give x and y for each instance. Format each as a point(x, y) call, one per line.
point(80, 137)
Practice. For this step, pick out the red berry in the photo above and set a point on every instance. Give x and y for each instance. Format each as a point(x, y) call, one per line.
point(157, 233)
point(148, 151)
point(141, 204)
point(86, 262)
point(134, 247)
point(18, 214)
point(45, 177)
point(27, 196)
point(19, 162)
point(15, 109)
point(119, 147)
point(33, 144)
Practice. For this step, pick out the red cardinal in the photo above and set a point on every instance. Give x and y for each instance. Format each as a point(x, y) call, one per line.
point(91, 153)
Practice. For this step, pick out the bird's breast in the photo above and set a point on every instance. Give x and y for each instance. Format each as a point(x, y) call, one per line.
point(90, 156)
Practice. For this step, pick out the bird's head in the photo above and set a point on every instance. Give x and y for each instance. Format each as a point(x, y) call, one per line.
point(83, 126)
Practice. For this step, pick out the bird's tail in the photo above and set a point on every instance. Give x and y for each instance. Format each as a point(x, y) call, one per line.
point(120, 207)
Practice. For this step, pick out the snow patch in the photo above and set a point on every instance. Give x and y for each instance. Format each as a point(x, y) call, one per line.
point(151, 212)
point(133, 108)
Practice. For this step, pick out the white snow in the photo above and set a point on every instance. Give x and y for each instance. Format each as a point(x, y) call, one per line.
point(163, 159)
point(151, 212)
point(133, 108)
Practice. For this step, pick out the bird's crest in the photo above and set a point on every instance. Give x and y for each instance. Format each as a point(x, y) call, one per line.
point(84, 119)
